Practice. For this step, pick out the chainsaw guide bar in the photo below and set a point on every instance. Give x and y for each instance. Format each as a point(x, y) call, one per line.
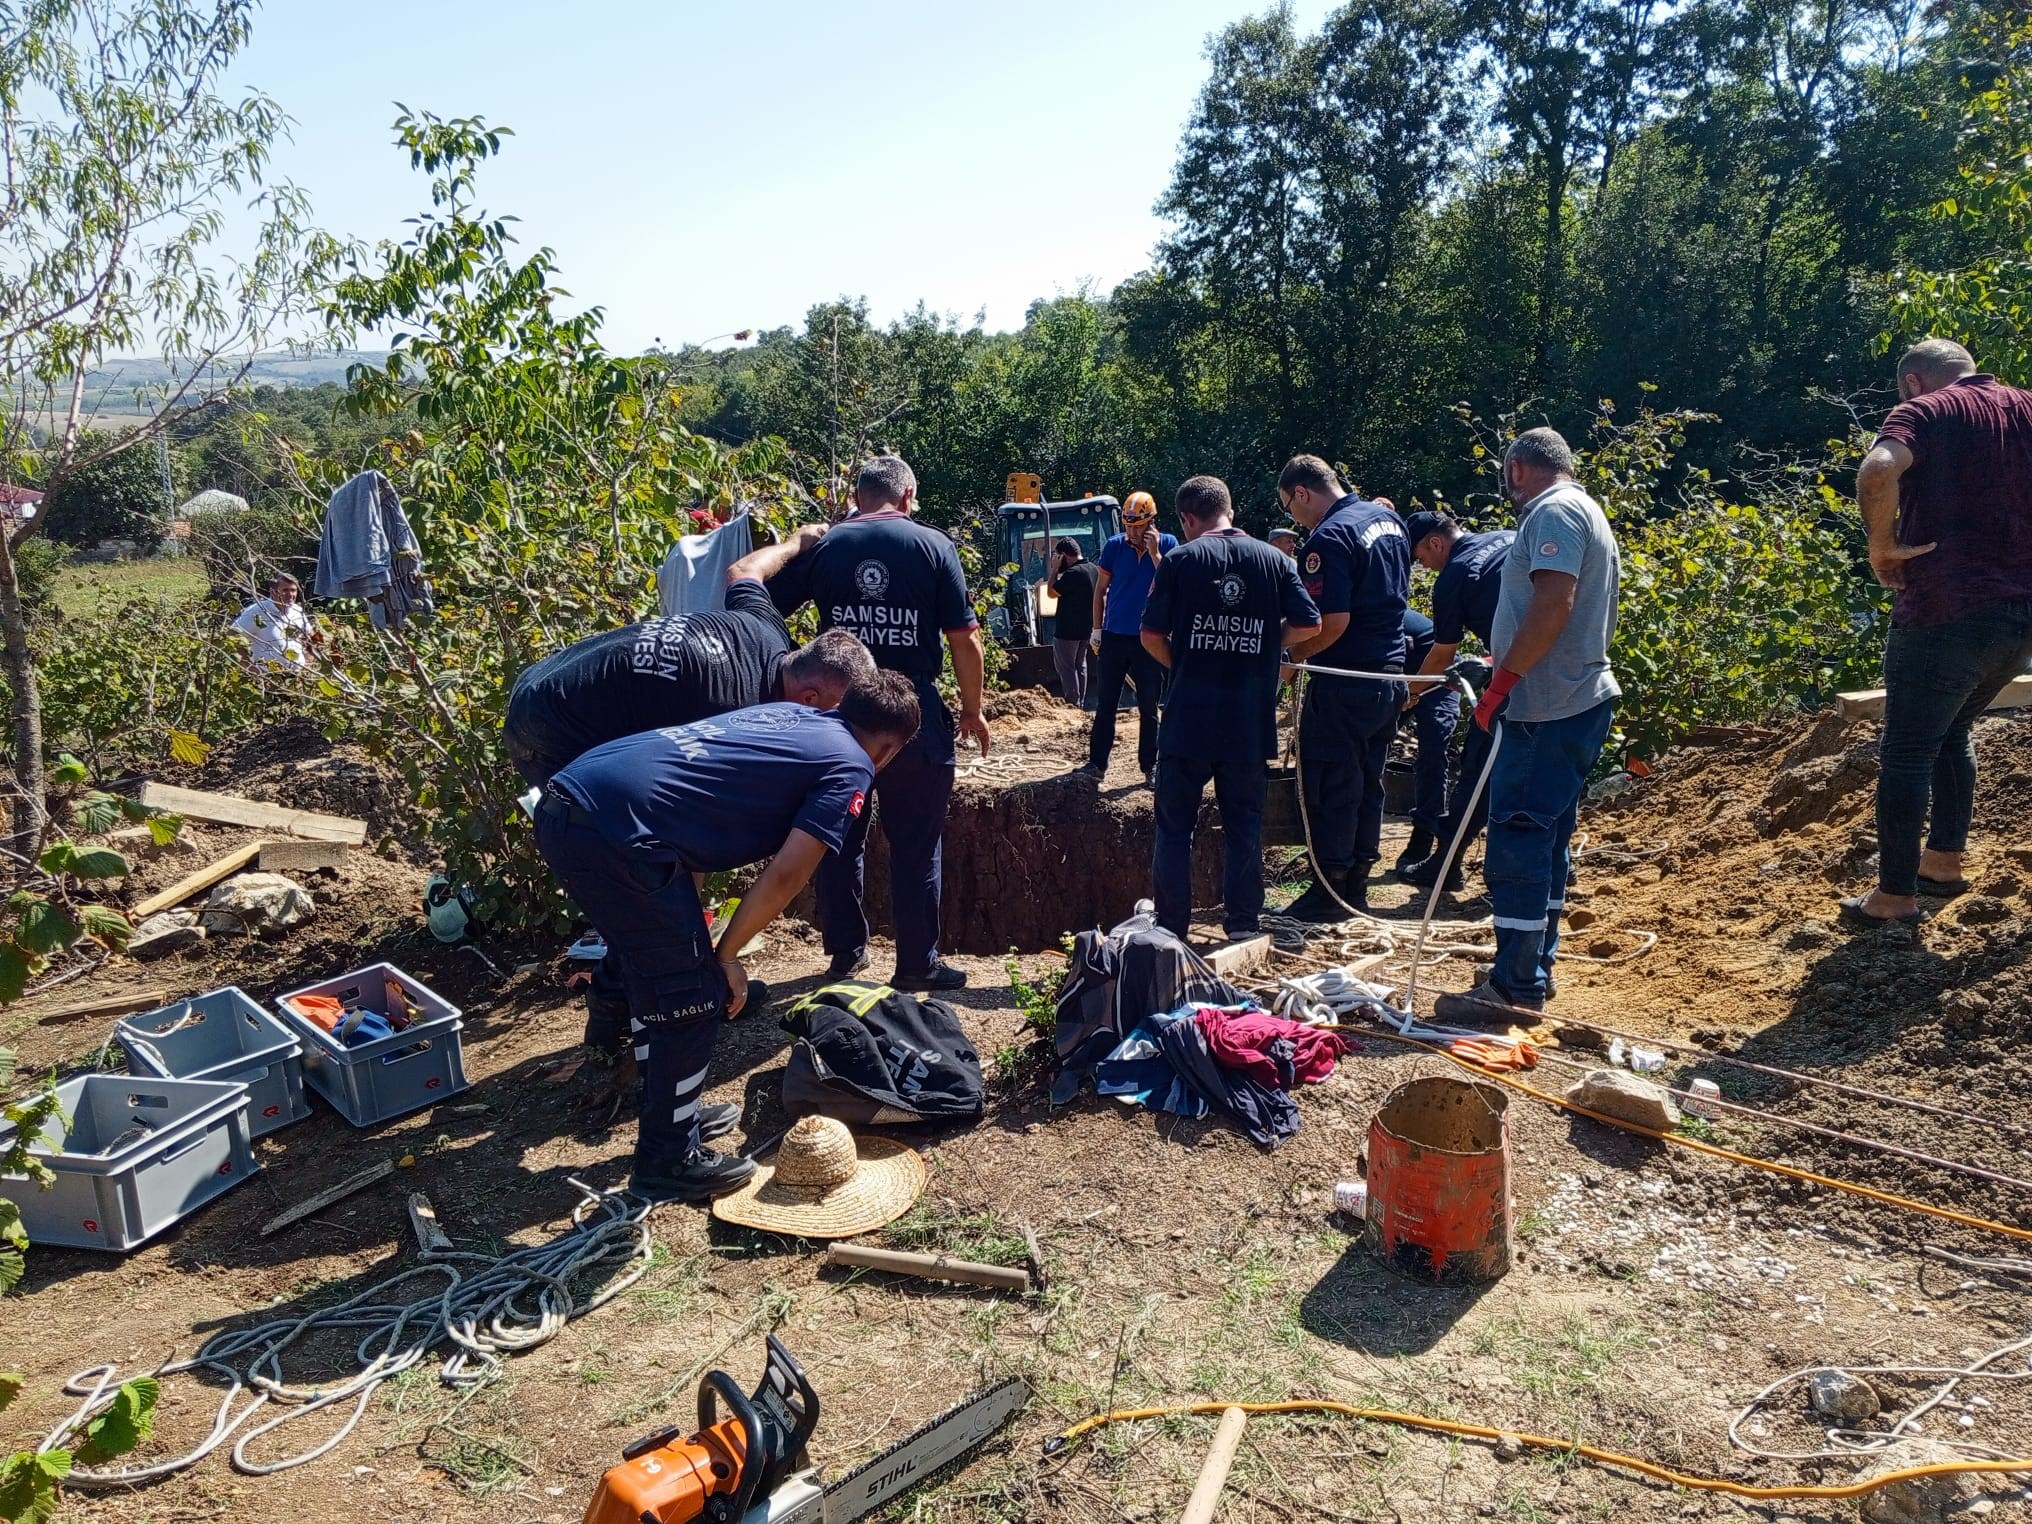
point(929, 1451)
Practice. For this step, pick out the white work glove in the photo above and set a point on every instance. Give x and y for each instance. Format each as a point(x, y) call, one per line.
point(1094, 640)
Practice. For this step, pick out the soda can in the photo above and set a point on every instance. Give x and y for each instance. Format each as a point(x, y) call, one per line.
point(1351, 1197)
point(1700, 1098)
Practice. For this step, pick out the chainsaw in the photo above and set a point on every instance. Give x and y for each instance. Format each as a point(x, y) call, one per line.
point(750, 1467)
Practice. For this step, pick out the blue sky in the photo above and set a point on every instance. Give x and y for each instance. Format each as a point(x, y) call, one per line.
point(704, 167)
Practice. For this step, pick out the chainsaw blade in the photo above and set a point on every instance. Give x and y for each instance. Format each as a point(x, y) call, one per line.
point(931, 1449)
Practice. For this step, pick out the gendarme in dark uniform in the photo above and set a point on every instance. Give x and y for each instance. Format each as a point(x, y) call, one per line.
point(1356, 564)
point(1220, 610)
point(898, 585)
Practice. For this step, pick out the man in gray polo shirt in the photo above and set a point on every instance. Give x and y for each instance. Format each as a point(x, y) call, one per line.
point(1556, 697)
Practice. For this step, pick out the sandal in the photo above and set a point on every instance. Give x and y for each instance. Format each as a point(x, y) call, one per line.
point(1943, 888)
point(1853, 914)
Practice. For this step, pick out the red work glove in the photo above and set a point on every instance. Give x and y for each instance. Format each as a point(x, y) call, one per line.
point(1493, 695)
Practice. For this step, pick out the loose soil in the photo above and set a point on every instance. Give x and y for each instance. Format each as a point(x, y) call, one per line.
point(1656, 1290)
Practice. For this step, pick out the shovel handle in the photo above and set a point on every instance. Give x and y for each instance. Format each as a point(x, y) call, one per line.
point(1213, 1472)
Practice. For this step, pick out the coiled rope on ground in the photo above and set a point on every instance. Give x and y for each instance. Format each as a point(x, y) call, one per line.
point(489, 1306)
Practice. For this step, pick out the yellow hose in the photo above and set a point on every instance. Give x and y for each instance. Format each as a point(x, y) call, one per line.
point(1541, 1442)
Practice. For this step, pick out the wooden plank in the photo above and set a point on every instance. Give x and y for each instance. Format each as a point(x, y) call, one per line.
point(1869, 704)
point(191, 883)
point(325, 1198)
point(111, 1005)
point(301, 856)
point(430, 1238)
point(230, 809)
point(1240, 957)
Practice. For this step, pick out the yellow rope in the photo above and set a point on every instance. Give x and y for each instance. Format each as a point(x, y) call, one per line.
point(1543, 1442)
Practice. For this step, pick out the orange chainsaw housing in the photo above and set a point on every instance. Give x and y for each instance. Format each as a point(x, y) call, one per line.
point(672, 1483)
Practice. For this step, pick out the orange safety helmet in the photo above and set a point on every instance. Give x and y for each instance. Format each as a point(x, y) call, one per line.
point(1139, 509)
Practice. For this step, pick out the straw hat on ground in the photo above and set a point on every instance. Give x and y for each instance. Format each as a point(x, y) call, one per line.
point(825, 1183)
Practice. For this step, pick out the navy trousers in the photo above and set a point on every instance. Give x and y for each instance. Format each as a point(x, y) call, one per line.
point(1344, 736)
point(1541, 769)
point(911, 793)
point(657, 946)
point(539, 757)
point(1123, 656)
point(1240, 788)
point(1433, 723)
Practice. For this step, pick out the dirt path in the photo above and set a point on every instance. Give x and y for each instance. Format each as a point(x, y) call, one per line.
point(1655, 1292)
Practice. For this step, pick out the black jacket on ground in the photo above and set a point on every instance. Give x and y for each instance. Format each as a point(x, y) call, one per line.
point(867, 1054)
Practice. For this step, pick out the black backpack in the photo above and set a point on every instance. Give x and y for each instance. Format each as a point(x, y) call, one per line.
point(867, 1054)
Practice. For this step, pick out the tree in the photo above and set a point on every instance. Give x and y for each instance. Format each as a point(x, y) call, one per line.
point(118, 151)
point(116, 494)
point(1985, 300)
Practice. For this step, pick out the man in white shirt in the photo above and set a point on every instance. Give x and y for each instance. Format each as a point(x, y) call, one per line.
point(278, 631)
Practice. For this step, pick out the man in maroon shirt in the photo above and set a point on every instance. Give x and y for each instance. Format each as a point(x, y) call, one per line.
point(1947, 495)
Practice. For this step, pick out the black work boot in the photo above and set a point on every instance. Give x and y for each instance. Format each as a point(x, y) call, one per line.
point(847, 964)
point(940, 976)
point(1319, 906)
point(1415, 850)
point(699, 1177)
point(1426, 873)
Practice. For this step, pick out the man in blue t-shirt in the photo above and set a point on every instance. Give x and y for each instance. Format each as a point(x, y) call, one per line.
point(897, 584)
point(632, 827)
point(670, 671)
point(1464, 594)
point(1220, 613)
point(1357, 567)
point(1125, 571)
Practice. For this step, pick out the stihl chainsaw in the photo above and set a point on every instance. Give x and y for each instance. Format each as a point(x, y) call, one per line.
point(750, 1468)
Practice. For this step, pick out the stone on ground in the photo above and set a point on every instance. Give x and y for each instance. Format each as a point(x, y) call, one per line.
point(257, 902)
point(166, 931)
point(1837, 1394)
point(1922, 1499)
point(1628, 1096)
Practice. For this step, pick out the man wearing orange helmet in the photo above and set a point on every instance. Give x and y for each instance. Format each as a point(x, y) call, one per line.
point(1127, 567)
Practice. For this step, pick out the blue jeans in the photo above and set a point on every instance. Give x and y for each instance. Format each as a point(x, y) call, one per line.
point(1240, 787)
point(1123, 656)
point(1344, 734)
point(1938, 679)
point(912, 793)
point(1534, 799)
point(657, 945)
point(1433, 722)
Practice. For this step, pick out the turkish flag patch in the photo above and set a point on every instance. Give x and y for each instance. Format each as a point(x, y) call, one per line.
point(855, 804)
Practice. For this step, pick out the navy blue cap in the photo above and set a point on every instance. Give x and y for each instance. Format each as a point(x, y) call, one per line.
point(1425, 522)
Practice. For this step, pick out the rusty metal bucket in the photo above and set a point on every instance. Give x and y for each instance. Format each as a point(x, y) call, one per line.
point(1439, 1180)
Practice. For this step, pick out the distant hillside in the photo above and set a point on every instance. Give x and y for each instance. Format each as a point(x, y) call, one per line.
point(114, 384)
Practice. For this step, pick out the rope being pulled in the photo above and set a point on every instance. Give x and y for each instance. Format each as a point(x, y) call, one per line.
point(488, 1306)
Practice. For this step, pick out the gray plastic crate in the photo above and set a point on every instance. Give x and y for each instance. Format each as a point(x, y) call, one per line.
point(418, 1066)
point(222, 1035)
point(138, 1155)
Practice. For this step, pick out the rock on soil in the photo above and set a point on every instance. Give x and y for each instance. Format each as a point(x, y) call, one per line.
point(255, 903)
point(1616, 1094)
point(1837, 1394)
point(166, 931)
point(1922, 1499)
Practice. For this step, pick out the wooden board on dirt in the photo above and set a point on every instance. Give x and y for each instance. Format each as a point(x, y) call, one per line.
point(110, 1005)
point(301, 856)
point(1243, 957)
point(191, 883)
point(1869, 704)
point(325, 1198)
point(230, 809)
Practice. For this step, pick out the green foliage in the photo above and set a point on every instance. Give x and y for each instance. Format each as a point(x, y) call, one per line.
point(119, 495)
point(545, 479)
point(1986, 300)
point(29, 1482)
point(36, 563)
point(244, 550)
point(1731, 612)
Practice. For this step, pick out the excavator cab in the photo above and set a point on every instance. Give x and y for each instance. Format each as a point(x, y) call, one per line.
point(1026, 531)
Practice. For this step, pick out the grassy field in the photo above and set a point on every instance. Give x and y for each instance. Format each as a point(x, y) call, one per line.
point(84, 590)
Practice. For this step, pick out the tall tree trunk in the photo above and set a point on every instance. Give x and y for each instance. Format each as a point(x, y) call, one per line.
point(24, 840)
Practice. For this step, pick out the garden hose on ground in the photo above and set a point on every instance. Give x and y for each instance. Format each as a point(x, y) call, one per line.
point(1599, 1456)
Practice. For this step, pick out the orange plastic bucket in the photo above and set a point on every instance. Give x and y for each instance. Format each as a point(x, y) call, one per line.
point(1439, 1180)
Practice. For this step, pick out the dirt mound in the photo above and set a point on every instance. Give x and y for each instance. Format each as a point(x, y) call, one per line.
point(292, 762)
point(1736, 856)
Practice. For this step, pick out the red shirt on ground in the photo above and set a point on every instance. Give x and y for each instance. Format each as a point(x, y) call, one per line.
point(1969, 490)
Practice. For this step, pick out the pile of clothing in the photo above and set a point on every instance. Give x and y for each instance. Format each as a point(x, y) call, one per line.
point(1239, 1062)
point(1149, 1021)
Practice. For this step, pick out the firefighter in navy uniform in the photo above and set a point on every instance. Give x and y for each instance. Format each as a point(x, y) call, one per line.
point(898, 586)
point(1357, 567)
point(1220, 612)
